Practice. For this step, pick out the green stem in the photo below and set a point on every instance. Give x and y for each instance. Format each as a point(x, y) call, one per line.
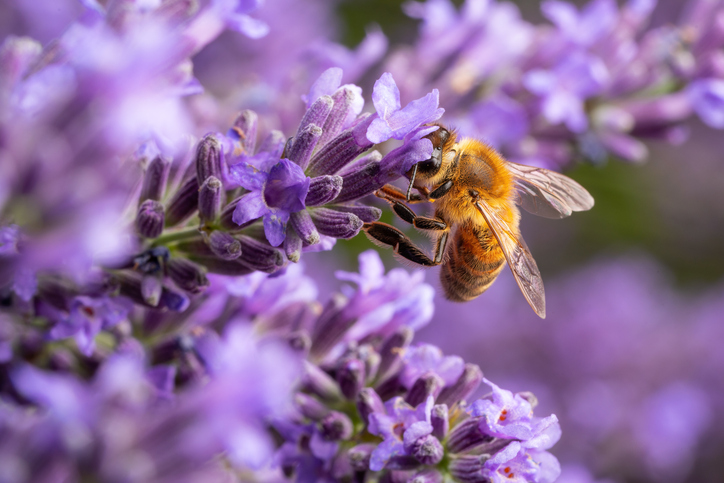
point(176, 236)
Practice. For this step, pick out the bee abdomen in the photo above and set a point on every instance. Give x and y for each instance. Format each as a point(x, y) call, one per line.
point(474, 261)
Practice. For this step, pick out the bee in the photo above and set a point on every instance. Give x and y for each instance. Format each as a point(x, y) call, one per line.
point(474, 192)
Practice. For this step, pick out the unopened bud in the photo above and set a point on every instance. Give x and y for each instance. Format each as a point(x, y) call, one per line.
point(224, 245)
point(323, 189)
point(210, 199)
point(149, 220)
point(154, 181)
point(189, 276)
point(208, 158)
point(184, 203)
point(335, 223)
point(244, 129)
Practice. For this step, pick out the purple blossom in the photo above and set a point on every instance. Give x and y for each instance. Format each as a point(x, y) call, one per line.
point(584, 27)
point(395, 121)
point(277, 191)
point(566, 87)
point(427, 358)
point(87, 317)
point(707, 99)
point(400, 428)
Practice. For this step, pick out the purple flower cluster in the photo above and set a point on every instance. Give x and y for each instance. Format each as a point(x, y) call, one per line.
point(632, 370)
point(592, 84)
point(155, 320)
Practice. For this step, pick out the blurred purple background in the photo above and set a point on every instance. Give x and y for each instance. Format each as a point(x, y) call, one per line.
point(630, 357)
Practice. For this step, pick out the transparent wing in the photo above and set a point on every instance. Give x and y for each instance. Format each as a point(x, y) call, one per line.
point(521, 263)
point(547, 193)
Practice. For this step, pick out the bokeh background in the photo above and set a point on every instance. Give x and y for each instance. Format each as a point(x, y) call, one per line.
point(630, 357)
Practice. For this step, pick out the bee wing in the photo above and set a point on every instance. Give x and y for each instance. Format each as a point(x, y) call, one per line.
point(547, 193)
point(521, 262)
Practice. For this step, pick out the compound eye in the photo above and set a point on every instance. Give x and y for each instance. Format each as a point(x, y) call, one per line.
point(444, 135)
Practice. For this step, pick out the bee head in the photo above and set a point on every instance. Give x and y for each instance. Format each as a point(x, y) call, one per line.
point(442, 140)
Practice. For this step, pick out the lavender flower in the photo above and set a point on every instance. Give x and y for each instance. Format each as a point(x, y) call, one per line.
point(145, 249)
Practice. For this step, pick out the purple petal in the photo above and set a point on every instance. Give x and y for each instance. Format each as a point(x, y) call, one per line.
point(247, 175)
point(275, 226)
point(251, 27)
point(707, 99)
point(387, 449)
point(416, 431)
point(286, 187)
point(379, 131)
point(418, 112)
point(25, 283)
point(250, 207)
point(326, 85)
point(386, 96)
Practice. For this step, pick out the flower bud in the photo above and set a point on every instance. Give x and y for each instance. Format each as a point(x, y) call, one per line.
point(224, 245)
point(390, 388)
point(300, 342)
point(310, 407)
point(302, 223)
point(359, 456)
point(149, 220)
point(469, 468)
point(466, 435)
point(439, 421)
point(244, 129)
point(392, 351)
point(461, 389)
point(367, 214)
point(368, 402)
point(273, 143)
point(151, 288)
point(428, 384)
point(342, 150)
point(347, 99)
point(427, 450)
point(335, 223)
point(184, 203)
point(318, 382)
point(130, 286)
point(361, 181)
point(259, 256)
point(210, 199)
point(304, 144)
point(336, 426)
point(223, 267)
point(189, 276)
point(292, 244)
point(351, 377)
point(316, 114)
point(330, 327)
point(208, 158)
point(154, 181)
point(323, 189)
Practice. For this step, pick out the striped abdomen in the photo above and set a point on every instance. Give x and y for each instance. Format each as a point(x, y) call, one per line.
point(473, 261)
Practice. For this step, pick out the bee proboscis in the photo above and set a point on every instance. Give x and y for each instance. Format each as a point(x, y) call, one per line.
point(474, 192)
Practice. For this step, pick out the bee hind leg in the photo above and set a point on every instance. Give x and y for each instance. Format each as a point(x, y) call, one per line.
point(386, 235)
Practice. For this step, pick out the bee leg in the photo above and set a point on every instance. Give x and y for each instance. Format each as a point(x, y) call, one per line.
point(391, 194)
point(384, 234)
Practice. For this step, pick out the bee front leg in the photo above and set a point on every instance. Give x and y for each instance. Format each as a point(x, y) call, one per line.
point(391, 194)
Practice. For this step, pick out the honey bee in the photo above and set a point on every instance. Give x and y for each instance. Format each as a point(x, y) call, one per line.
point(474, 192)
